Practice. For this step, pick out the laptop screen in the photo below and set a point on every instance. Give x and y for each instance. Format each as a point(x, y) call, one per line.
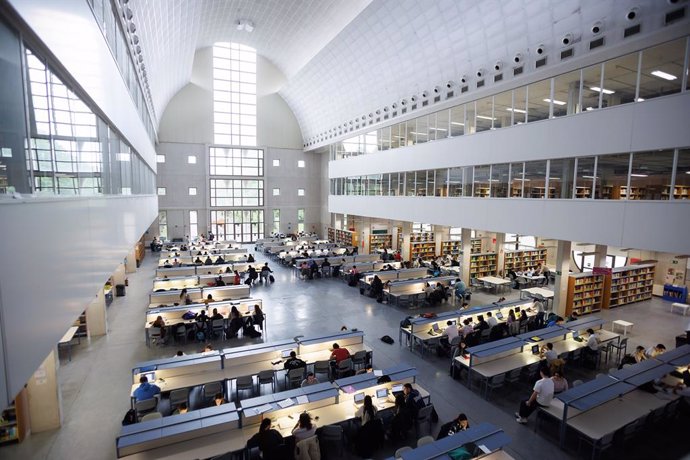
point(435, 327)
point(396, 388)
point(285, 353)
point(250, 308)
point(382, 393)
point(359, 397)
point(499, 315)
point(535, 349)
point(576, 334)
point(151, 376)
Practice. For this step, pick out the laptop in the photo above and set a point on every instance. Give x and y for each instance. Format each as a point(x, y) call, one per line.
point(576, 336)
point(499, 316)
point(151, 376)
point(359, 398)
point(397, 388)
point(285, 354)
point(535, 349)
point(250, 308)
point(382, 393)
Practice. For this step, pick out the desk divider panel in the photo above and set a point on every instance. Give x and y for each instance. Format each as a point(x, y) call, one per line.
point(172, 297)
point(174, 369)
point(228, 278)
point(226, 292)
point(326, 342)
point(677, 357)
point(176, 271)
point(224, 307)
point(584, 324)
point(176, 283)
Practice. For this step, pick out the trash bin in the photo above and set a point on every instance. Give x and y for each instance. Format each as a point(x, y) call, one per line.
point(120, 290)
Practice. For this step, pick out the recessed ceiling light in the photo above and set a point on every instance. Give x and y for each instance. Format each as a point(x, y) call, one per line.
point(437, 129)
point(418, 134)
point(485, 117)
point(457, 123)
point(639, 175)
point(640, 99)
point(664, 75)
point(589, 109)
point(555, 101)
point(515, 110)
point(599, 90)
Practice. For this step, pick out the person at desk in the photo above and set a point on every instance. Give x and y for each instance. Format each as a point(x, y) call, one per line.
point(310, 380)
point(145, 390)
point(548, 353)
point(160, 323)
point(467, 328)
point(167, 264)
point(460, 289)
point(560, 384)
point(481, 324)
point(176, 263)
point(220, 260)
point(180, 409)
point(237, 279)
point(523, 317)
point(449, 333)
point(554, 320)
point(592, 341)
point(573, 317)
point(538, 306)
point(219, 399)
point(454, 262)
point(208, 261)
point(377, 288)
point(366, 411)
point(653, 352)
point(258, 317)
point(293, 362)
point(339, 354)
point(537, 270)
point(268, 440)
point(325, 263)
point(491, 319)
point(236, 322)
point(402, 419)
point(542, 395)
point(265, 273)
point(413, 400)
point(454, 426)
point(250, 258)
point(209, 298)
point(219, 281)
point(198, 261)
point(639, 354)
point(304, 428)
point(428, 290)
point(216, 315)
point(179, 353)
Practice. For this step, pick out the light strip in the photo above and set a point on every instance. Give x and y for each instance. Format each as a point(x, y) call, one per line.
point(664, 75)
point(457, 123)
point(599, 90)
point(483, 117)
point(555, 101)
point(639, 175)
point(418, 134)
point(515, 110)
point(438, 129)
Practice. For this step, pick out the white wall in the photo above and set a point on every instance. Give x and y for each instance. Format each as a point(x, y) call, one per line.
point(56, 254)
point(276, 124)
point(655, 124)
point(655, 226)
point(69, 29)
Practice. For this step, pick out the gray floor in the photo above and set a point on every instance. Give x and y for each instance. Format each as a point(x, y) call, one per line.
point(96, 382)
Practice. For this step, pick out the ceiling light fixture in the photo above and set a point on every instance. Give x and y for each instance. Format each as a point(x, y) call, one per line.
point(664, 75)
point(639, 175)
point(437, 129)
point(418, 134)
point(600, 90)
point(483, 117)
point(515, 110)
point(457, 123)
point(555, 101)
point(246, 25)
point(640, 99)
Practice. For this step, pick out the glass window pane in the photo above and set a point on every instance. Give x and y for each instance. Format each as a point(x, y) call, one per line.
point(539, 97)
point(566, 88)
point(411, 137)
point(481, 182)
point(441, 183)
point(442, 124)
point(410, 189)
point(591, 78)
point(499, 180)
point(517, 175)
point(457, 121)
point(650, 177)
point(662, 69)
point(682, 188)
point(612, 177)
point(503, 109)
point(469, 118)
point(484, 114)
point(455, 182)
point(561, 174)
point(620, 78)
point(585, 177)
point(535, 179)
point(519, 105)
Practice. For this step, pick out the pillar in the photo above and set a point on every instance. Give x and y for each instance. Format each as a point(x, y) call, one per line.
point(560, 288)
point(395, 231)
point(131, 262)
point(466, 253)
point(405, 250)
point(43, 390)
point(440, 234)
point(97, 316)
point(500, 250)
point(600, 251)
point(119, 275)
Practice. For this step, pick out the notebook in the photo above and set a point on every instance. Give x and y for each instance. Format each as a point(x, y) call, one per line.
point(435, 327)
point(499, 315)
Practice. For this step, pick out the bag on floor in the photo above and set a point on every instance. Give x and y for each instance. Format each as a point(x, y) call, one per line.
point(387, 339)
point(271, 278)
point(130, 418)
point(248, 281)
point(200, 336)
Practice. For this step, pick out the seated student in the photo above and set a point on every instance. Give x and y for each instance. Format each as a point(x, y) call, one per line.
point(460, 289)
point(216, 315)
point(208, 261)
point(250, 258)
point(304, 428)
point(460, 423)
point(236, 322)
point(268, 440)
point(542, 395)
point(310, 380)
point(220, 260)
point(639, 354)
point(490, 319)
point(653, 352)
point(367, 411)
point(176, 263)
point(449, 333)
point(160, 323)
point(252, 275)
point(376, 287)
point(402, 419)
point(219, 281)
point(467, 328)
point(537, 271)
point(293, 362)
point(145, 390)
point(560, 384)
point(198, 261)
point(179, 353)
point(454, 262)
point(572, 317)
point(218, 399)
point(180, 409)
point(237, 279)
point(413, 400)
point(339, 354)
point(167, 264)
point(209, 299)
point(554, 320)
point(481, 324)
point(548, 353)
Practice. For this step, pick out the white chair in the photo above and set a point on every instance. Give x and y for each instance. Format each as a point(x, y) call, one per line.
point(424, 440)
point(151, 416)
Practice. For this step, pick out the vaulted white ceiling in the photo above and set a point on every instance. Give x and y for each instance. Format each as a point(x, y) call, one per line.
point(344, 59)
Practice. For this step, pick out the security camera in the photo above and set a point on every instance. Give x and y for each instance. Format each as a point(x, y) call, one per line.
point(385, 109)
point(632, 14)
point(480, 73)
point(371, 115)
point(425, 94)
point(394, 105)
point(517, 58)
point(464, 79)
point(596, 28)
point(437, 90)
point(413, 99)
point(378, 112)
point(567, 40)
point(450, 84)
point(403, 102)
point(498, 66)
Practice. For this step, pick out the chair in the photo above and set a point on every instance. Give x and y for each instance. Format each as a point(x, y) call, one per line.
point(475, 284)
point(577, 383)
point(612, 370)
point(513, 376)
point(343, 368)
point(322, 367)
point(332, 434)
point(423, 416)
point(530, 372)
point(155, 335)
point(424, 440)
point(210, 390)
point(402, 450)
point(359, 359)
point(294, 377)
point(597, 445)
point(243, 383)
point(151, 416)
point(181, 333)
point(601, 376)
point(308, 449)
point(178, 397)
point(218, 328)
point(145, 406)
point(264, 378)
point(621, 348)
point(484, 335)
point(496, 381)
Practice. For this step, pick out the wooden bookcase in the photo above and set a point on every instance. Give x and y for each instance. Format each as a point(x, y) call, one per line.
point(540, 192)
point(680, 192)
point(483, 264)
point(524, 259)
point(620, 192)
point(422, 245)
point(380, 241)
point(585, 293)
point(628, 284)
point(14, 420)
point(83, 331)
point(476, 244)
point(344, 237)
point(481, 191)
point(451, 248)
point(583, 192)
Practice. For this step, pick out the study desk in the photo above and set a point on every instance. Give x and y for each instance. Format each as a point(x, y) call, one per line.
point(530, 279)
point(413, 288)
point(495, 282)
point(68, 338)
point(390, 275)
point(538, 293)
point(198, 295)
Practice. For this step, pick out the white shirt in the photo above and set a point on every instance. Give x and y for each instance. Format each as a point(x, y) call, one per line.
point(451, 332)
point(467, 330)
point(492, 321)
point(593, 343)
point(544, 389)
point(550, 355)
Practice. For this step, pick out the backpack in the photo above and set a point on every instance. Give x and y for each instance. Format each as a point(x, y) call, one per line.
point(189, 315)
point(387, 339)
point(130, 418)
point(271, 279)
point(200, 336)
point(406, 322)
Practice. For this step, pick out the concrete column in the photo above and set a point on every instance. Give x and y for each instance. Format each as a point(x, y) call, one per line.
point(119, 275)
point(97, 316)
point(500, 239)
point(466, 252)
point(560, 288)
point(600, 256)
point(440, 234)
point(131, 262)
point(363, 229)
point(43, 390)
point(394, 243)
point(405, 250)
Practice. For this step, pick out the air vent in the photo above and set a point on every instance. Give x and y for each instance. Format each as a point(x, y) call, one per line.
point(403, 111)
point(413, 107)
point(425, 103)
point(566, 54)
point(630, 31)
point(596, 43)
point(541, 63)
point(464, 89)
point(518, 70)
point(498, 77)
point(385, 117)
point(378, 119)
point(371, 122)
point(480, 83)
point(674, 15)
point(450, 94)
point(437, 99)
point(395, 114)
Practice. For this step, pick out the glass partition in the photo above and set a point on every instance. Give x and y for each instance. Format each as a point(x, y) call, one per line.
point(566, 88)
point(539, 94)
point(612, 178)
point(457, 121)
point(411, 133)
point(561, 173)
point(422, 130)
point(499, 180)
point(441, 183)
point(520, 105)
point(585, 177)
point(662, 69)
point(517, 179)
point(591, 82)
point(481, 184)
point(469, 118)
point(397, 135)
point(620, 80)
point(650, 176)
point(535, 180)
point(455, 181)
point(484, 114)
point(681, 191)
point(410, 189)
point(503, 109)
point(441, 129)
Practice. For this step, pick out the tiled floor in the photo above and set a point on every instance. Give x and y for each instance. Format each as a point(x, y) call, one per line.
point(96, 382)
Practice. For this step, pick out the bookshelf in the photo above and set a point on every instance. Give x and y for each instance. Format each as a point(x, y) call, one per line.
point(524, 259)
point(13, 420)
point(423, 249)
point(451, 248)
point(476, 245)
point(343, 237)
point(380, 241)
point(628, 284)
point(620, 192)
point(81, 324)
point(481, 190)
point(540, 192)
point(401, 240)
point(583, 192)
point(483, 264)
point(585, 293)
point(680, 192)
